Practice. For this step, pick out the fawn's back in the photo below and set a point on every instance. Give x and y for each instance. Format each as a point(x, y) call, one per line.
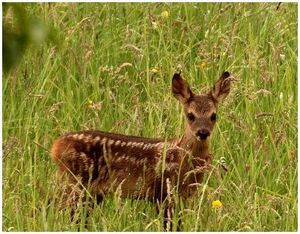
point(109, 160)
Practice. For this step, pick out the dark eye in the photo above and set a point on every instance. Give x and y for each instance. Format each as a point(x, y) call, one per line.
point(190, 116)
point(213, 117)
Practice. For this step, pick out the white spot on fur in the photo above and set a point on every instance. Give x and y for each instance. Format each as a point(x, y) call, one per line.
point(119, 159)
point(75, 136)
point(123, 144)
point(87, 138)
point(80, 137)
point(145, 146)
point(110, 142)
point(117, 142)
point(96, 140)
point(104, 140)
point(129, 143)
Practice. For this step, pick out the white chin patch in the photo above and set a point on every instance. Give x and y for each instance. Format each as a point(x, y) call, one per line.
point(199, 138)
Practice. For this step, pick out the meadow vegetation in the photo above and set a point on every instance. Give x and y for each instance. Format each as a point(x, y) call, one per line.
point(110, 68)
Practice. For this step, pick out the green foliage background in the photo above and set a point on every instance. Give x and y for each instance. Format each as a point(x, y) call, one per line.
point(108, 66)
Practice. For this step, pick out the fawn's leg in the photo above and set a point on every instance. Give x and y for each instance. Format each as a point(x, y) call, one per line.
point(168, 217)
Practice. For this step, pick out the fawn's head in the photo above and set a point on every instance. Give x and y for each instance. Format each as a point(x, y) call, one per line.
point(200, 110)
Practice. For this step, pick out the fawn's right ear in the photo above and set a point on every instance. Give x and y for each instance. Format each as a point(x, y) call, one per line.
point(180, 89)
point(221, 87)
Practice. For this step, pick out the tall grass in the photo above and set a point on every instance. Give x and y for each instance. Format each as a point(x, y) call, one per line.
point(111, 70)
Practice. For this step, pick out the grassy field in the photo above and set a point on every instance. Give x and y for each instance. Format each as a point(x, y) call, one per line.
point(110, 68)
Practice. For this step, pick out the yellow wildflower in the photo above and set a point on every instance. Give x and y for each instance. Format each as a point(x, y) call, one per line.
point(154, 70)
point(217, 204)
point(164, 14)
point(90, 101)
point(203, 64)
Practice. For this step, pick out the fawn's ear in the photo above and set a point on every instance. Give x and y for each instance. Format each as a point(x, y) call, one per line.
point(180, 89)
point(221, 87)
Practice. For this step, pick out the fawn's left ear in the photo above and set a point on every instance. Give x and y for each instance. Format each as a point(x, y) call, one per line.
point(221, 87)
point(180, 89)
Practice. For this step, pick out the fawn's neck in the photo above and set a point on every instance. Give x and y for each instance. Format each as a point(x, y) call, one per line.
point(195, 147)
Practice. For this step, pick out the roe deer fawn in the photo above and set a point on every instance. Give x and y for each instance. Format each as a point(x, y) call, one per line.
point(141, 167)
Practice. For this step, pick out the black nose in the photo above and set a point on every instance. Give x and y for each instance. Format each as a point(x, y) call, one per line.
point(203, 134)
